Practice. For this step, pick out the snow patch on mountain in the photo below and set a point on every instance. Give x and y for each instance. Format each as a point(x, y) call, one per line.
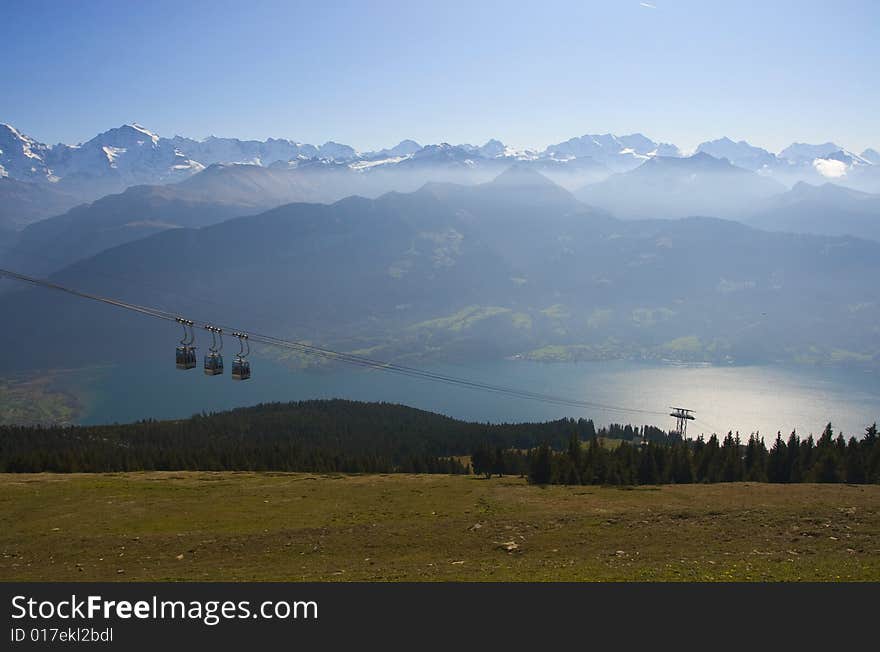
point(830, 168)
point(113, 153)
point(148, 134)
point(372, 163)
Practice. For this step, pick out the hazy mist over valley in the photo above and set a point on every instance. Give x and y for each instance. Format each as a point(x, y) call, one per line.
point(595, 248)
point(446, 251)
point(299, 299)
point(600, 248)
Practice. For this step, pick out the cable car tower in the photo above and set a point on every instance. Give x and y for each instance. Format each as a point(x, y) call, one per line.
point(682, 416)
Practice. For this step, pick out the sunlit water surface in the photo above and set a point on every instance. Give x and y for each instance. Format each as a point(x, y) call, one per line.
point(747, 399)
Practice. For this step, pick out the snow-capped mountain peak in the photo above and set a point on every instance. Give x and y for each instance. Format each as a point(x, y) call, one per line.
point(403, 148)
point(337, 151)
point(741, 153)
point(618, 153)
point(21, 156)
point(133, 154)
point(142, 132)
point(799, 152)
point(492, 149)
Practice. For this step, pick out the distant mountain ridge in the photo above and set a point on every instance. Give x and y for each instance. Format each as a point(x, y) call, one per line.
point(681, 187)
point(87, 229)
point(825, 210)
point(24, 202)
point(741, 153)
point(131, 154)
point(628, 175)
point(513, 267)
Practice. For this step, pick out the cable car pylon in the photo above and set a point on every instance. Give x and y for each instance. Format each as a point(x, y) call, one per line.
point(682, 416)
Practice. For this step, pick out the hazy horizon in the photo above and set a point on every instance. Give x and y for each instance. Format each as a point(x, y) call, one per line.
point(371, 76)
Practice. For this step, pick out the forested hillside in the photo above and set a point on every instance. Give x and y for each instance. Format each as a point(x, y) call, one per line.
point(324, 436)
point(356, 437)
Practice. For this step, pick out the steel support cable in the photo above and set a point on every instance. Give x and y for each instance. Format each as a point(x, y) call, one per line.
point(146, 310)
point(162, 293)
point(347, 358)
point(713, 430)
point(459, 382)
point(429, 375)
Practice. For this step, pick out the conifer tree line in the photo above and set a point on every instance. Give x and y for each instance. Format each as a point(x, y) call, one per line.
point(828, 459)
point(319, 436)
point(357, 437)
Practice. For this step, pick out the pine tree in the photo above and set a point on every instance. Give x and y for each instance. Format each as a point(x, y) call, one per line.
point(871, 453)
point(575, 451)
point(826, 468)
point(541, 467)
point(682, 468)
point(731, 470)
point(709, 463)
point(647, 466)
point(752, 459)
point(498, 462)
point(777, 462)
point(870, 435)
point(855, 463)
point(481, 460)
point(806, 460)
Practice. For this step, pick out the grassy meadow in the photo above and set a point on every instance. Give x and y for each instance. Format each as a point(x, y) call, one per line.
point(290, 527)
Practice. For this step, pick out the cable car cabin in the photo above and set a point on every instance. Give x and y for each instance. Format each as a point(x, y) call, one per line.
point(241, 369)
point(186, 357)
point(213, 364)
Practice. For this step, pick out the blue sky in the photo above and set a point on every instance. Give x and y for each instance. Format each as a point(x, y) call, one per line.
point(371, 73)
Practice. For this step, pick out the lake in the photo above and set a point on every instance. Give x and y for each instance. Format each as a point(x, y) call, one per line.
point(744, 398)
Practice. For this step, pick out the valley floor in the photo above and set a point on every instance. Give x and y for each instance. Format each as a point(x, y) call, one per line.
point(292, 527)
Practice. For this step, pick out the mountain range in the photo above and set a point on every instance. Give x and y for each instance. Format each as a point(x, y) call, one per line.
point(661, 187)
point(517, 266)
point(450, 250)
point(680, 187)
point(111, 161)
point(131, 155)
